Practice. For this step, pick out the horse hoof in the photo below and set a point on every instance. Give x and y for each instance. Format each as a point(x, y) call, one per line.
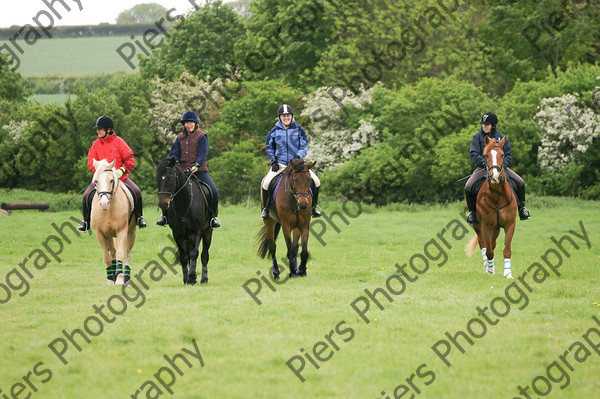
point(110, 282)
point(204, 280)
point(120, 279)
point(490, 271)
point(508, 275)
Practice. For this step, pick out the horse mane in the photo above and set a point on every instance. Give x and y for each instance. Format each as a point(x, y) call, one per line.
point(296, 165)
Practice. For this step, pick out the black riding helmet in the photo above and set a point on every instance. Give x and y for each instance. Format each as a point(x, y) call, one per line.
point(104, 122)
point(489, 118)
point(284, 109)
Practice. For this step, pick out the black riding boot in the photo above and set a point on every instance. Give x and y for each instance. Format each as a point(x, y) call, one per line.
point(523, 212)
point(137, 210)
point(163, 219)
point(215, 223)
point(87, 210)
point(471, 204)
point(315, 210)
point(265, 204)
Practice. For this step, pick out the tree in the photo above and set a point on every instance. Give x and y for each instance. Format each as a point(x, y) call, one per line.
point(12, 84)
point(284, 40)
point(202, 44)
point(146, 13)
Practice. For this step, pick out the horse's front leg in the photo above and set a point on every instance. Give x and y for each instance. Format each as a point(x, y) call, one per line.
point(304, 253)
point(206, 240)
point(109, 256)
point(193, 243)
point(508, 235)
point(183, 256)
point(488, 254)
point(291, 255)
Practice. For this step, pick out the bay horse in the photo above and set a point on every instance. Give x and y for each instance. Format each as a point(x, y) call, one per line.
point(113, 220)
point(496, 208)
point(291, 211)
point(188, 216)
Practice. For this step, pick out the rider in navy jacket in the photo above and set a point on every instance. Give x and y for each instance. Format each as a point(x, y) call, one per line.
point(489, 120)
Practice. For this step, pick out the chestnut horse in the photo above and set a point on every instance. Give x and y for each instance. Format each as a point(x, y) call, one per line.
point(291, 211)
point(496, 208)
point(188, 215)
point(113, 220)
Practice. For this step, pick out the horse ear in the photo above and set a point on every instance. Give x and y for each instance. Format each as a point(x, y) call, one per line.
point(310, 165)
point(156, 161)
point(501, 143)
point(487, 140)
point(171, 162)
point(112, 164)
point(95, 163)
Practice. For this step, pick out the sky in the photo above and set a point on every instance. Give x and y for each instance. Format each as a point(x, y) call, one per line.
point(93, 12)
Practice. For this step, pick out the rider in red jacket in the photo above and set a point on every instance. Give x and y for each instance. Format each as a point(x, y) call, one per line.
point(111, 147)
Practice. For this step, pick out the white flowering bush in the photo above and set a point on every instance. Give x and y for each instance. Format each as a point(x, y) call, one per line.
point(15, 129)
point(332, 140)
point(188, 93)
point(568, 127)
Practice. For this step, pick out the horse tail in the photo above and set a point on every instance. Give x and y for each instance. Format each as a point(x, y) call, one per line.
point(470, 248)
point(261, 242)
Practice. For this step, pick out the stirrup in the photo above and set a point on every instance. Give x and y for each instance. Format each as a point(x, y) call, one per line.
point(265, 213)
point(162, 221)
point(215, 223)
point(83, 226)
point(524, 213)
point(316, 211)
point(141, 222)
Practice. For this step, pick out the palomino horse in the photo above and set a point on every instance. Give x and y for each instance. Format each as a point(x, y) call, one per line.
point(293, 206)
point(188, 216)
point(113, 220)
point(496, 208)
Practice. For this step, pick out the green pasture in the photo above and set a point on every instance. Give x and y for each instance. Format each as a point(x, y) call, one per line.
point(73, 56)
point(245, 346)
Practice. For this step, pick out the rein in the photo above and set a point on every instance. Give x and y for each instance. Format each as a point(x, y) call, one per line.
point(173, 195)
point(111, 193)
point(497, 206)
point(290, 188)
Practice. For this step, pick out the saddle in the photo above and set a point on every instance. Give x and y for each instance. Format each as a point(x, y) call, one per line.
point(204, 188)
point(477, 186)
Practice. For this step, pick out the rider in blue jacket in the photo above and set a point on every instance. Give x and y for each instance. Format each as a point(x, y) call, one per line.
point(286, 141)
point(489, 120)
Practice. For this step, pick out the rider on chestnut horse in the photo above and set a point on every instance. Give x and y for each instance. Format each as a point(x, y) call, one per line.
point(489, 120)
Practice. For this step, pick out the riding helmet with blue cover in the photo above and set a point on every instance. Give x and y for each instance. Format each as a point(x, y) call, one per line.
point(190, 116)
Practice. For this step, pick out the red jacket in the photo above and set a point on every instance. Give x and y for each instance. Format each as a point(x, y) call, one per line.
point(112, 147)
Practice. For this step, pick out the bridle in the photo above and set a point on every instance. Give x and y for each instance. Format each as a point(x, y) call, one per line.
point(174, 178)
point(490, 169)
point(292, 186)
point(111, 193)
point(488, 177)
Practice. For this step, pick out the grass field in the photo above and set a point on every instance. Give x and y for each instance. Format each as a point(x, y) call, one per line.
point(245, 347)
point(73, 56)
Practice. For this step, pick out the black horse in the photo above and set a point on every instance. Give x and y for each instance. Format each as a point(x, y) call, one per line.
point(188, 216)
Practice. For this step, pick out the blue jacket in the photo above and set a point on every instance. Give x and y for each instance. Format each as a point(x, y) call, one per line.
point(283, 145)
point(478, 145)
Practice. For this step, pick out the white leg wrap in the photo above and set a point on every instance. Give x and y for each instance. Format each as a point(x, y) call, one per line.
point(507, 269)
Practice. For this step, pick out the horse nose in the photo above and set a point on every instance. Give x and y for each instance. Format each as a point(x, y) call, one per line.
point(303, 205)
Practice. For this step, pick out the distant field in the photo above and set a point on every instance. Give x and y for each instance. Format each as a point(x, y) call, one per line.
point(73, 56)
point(52, 98)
